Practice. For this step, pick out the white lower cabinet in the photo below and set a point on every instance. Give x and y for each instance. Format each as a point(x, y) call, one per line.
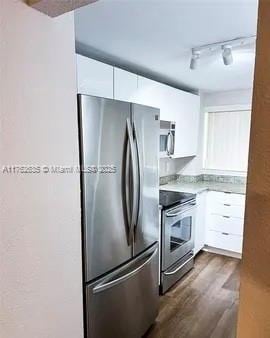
point(226, 224)
point(199, 235)
point(225, 221)
point(224, 241)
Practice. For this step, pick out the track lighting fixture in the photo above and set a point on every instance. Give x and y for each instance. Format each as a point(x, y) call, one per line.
point(195, 60)
point(227, 55)
point(225, 46)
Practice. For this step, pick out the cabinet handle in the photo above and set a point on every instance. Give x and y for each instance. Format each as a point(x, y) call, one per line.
point(227, 205)
point(225, 233)
point(226, 216)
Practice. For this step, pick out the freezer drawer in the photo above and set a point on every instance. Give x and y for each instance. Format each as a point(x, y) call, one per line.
point(125, 302)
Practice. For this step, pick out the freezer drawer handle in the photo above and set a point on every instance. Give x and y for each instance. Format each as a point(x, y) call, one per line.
point(179, 267)
point(101, 287)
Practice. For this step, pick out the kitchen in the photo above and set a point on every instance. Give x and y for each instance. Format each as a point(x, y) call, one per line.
point(152, 101)
point(203, 155)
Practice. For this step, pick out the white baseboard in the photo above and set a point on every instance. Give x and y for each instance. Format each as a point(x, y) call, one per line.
point(222, 252)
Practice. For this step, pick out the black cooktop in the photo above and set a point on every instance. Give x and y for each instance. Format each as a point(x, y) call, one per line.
point(170, 198)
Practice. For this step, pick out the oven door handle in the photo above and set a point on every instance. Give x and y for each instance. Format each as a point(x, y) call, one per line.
point(174, 214)
point(179, 267)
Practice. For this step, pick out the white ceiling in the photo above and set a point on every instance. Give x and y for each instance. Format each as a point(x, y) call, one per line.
point(154, 38)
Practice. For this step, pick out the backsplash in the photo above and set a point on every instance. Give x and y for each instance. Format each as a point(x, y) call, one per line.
point(166, 179)
point(203, 178)
point(224, 179)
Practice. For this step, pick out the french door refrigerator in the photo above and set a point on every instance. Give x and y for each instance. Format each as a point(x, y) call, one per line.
point(119, 147)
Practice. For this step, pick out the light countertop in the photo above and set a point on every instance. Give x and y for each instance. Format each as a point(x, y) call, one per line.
point(198, 187)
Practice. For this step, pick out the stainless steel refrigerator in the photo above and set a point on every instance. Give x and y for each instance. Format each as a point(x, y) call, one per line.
point(119, 147)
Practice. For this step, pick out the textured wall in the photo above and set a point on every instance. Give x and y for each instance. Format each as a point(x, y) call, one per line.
point(254, 313)
point(40, 249)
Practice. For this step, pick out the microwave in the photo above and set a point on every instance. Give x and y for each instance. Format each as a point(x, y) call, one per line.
point(166, 139)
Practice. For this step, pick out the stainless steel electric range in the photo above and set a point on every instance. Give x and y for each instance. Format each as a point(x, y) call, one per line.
point(177, 236)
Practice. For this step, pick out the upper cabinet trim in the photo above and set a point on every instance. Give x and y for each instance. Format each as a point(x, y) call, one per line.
point(55, 8)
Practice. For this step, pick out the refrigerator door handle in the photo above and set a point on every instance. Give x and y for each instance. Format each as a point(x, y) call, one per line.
point(127, 191)
point(140, 176)
point(134, 182)
point(111, 283)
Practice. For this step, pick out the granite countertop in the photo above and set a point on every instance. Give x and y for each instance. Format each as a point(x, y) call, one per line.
point(198, 187)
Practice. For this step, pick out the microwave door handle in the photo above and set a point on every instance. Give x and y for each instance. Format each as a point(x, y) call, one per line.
point(134, 181)
point(168, 145)
point(172, 143)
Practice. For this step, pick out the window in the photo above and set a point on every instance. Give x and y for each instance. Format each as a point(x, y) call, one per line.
point(227, 140)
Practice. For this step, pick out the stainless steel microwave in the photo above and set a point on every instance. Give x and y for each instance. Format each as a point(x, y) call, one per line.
point(166, 139)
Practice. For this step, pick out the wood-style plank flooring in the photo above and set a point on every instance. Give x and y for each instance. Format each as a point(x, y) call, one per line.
point(203, 304)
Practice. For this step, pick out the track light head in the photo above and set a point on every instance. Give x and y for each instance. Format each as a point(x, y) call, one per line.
point(227, 55)
point(195, 60)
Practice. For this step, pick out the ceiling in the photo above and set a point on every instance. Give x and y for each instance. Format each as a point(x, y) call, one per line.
point(154, 38)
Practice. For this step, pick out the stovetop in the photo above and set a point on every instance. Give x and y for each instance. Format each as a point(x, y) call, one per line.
point(170, 198)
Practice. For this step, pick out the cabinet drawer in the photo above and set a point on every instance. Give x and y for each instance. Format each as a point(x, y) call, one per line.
point(223, 241)
point(226, 209)
point(228, 198)
point(231, 225)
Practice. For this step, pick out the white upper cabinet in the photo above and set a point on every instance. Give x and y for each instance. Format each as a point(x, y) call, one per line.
point(99, 79)
point(175, 105)
point(148, 92)
point(125, 85)
point(187, 111)
point(94, 77)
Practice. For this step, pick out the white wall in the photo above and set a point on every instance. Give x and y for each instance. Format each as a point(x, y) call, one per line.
point(194, 165)
point(40, 249)
point(236, 97)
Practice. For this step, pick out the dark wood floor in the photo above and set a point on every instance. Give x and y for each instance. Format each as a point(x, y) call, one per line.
point(203, 304)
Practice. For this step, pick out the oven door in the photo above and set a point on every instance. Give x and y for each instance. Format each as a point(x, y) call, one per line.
point(177, 233)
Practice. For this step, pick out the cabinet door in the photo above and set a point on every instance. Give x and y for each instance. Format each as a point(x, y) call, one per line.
point(224, 241)
point(125, 85)
point(186, 108)
point(199, 238)
point(94, 77)
point(224, 221)
point(147, 93)
point(156, 94)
